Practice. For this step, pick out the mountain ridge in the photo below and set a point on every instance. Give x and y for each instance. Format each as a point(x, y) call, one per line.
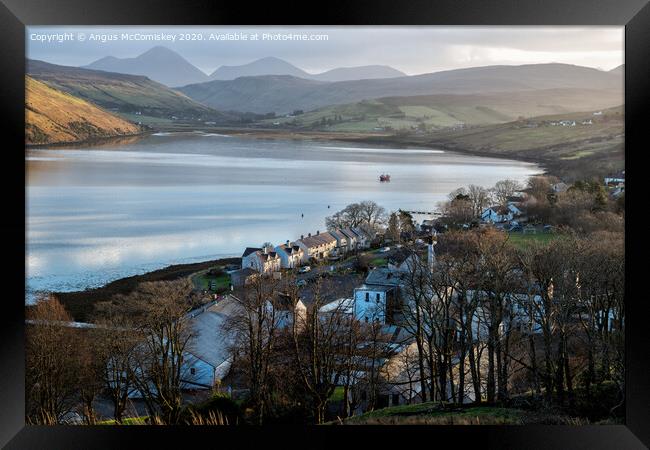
point(158, 64)
point(264, 94)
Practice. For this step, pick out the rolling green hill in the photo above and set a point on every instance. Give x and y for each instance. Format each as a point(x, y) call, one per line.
point(53, 116)
point(441, 111)
point(131, 95)
point(571, 152)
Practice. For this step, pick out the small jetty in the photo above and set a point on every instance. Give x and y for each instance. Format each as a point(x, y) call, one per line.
point(384, 178)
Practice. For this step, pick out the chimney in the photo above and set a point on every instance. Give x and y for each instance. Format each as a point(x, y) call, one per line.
point(266, 250)
point(288, 243)
point(302, 236)
point(317, 232)
point(308, 234)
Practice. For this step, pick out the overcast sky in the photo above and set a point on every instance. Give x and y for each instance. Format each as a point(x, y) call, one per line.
point(412, 50)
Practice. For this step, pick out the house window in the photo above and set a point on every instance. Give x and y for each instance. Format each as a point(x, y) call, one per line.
point(377, 296)
point(367, 296)
point(193, 371)
point(395, 399)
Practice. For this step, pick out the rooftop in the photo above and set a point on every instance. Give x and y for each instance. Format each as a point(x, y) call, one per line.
point(383, 276)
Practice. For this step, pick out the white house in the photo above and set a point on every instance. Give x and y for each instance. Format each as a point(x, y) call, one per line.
point(352, 238)
point(286, 312)
point(291, 255)
point(379, 297)
point(262, 260)
point(365, 235)
point(342, 241)
point(497, 214)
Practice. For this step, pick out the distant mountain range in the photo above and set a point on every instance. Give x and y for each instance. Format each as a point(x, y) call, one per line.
point(171, 69)
point(286, 93)
point(159, 64)
point(133, 96)
point(277, 66)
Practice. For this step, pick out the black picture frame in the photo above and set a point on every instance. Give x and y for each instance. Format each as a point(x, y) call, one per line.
point(16, 14)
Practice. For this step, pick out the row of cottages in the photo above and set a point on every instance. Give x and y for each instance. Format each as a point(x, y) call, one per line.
point(318, 246)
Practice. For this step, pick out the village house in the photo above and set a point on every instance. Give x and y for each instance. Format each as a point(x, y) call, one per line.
point(497, 214)
point(378, 298)
point(262, 260)
point(365, 234)
point(318, 246)
point(352, 238)
point(342, 244)
point(286, 312)
point(403, 260)
point(291, 255)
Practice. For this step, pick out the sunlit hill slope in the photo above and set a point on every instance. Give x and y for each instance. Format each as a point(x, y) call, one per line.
point(52, 116)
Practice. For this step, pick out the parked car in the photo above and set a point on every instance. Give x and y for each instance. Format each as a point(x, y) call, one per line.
point(304, 269)
point(384, 250)
point(301, 283)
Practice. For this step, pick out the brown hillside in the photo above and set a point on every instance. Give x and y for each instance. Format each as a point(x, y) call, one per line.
point(52, 116)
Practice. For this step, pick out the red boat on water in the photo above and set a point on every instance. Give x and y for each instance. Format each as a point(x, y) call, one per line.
point(384, 178)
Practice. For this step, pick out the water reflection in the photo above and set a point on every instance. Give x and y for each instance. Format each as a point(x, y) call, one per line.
point(98, 213)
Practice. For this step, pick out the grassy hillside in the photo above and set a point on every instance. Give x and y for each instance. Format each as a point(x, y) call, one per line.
point(431, 413)
point(53, 116)
point(124, 94)
point(571, 152)
point(443, 111)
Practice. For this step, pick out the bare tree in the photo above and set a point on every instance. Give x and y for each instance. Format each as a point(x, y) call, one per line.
point(255, 328)
point(50, 363)
point(504, 189)
point(161, 354)
point(479, 198)
point(321, 343)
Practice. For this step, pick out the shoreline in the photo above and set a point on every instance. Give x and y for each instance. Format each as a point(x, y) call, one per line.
point(383, 139)
point(90, 141)
point(80, 304)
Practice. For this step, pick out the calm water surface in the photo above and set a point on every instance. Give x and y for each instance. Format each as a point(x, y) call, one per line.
point(95, 214)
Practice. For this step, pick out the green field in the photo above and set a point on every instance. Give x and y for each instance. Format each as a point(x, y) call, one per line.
point(202, 281)
point(523, 240)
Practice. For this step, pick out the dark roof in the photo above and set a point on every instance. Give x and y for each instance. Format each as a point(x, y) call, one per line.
point(250, 250)
point(266, 256)
point(290, 249)
point(383, 277)
point(349, 233)
point(399, 256)
point(338, 234)
point(317, 240)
